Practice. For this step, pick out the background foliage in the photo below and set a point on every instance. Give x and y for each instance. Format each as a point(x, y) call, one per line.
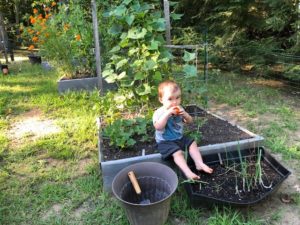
point(261, 33)
point(257, 36)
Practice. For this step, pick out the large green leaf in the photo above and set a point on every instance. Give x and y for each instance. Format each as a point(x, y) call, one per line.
point(121, 75)
point(136, 33)
point(107, 72)
point(115, 29)
point(144, 90)
point(132, 51)
point(150, 65)
point(121, 63)
point(165, 56)
point(120, 11)
point(137, 63)
point(129, 19)
point(140, 76)
point(157, 76)
point(126, 2)
point(190, 70)
point(175, 16)
point(111, 78)
point(189, 56)
point(136, 7)
point(159, 24)
point(115, 49)
point(154, 45)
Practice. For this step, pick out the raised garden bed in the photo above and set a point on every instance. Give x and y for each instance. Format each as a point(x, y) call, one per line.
point(217, 135)
point(240, 178)
point(86, 84)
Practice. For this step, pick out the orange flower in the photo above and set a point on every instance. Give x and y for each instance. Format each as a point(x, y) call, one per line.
point(48, 15)
point(53, 4)
point(78, 37)
point(43, 22)
point(35, 39)
point(38, 33)
point(35, 11)
point(31, 47)
point(40, 17)
point(32, 20)
point(46, 9)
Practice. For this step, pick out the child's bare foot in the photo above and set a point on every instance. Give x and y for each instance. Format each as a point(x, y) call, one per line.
point(204, 168)
point(192, 176)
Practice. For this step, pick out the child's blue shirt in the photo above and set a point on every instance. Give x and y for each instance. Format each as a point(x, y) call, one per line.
point(173, 129)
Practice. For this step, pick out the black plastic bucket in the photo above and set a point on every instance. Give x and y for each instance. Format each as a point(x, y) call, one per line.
point(158, 182)
point(34, 59)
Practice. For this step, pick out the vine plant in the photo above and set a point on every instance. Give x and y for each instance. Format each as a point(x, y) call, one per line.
point(138, 58)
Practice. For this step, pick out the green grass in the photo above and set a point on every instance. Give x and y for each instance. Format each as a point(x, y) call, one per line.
point(44, 181)
point(277, 118)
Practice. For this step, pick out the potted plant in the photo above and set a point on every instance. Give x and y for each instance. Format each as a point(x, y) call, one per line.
point(33, 58)
point(63, 33)
point(241, 177)
point(34, 34)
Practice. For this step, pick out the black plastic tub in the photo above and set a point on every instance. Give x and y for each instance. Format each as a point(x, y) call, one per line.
point(225, 186)
point(35, 59)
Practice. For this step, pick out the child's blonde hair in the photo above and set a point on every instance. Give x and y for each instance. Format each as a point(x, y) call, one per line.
point(168, 83)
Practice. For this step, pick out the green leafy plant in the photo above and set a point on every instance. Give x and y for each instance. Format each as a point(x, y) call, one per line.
point(124, 133)
point(195, 133)
point(63, 33)
point(138, 58)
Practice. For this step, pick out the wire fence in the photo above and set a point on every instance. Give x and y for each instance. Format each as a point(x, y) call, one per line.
point(206, 52)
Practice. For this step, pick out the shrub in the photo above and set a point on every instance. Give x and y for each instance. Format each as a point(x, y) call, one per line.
point(64, 34)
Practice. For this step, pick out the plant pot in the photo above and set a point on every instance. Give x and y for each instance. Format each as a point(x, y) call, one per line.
point(82, 84)
point(225, 186)
point(110, 167)
point(35, 59)
point(157, 182)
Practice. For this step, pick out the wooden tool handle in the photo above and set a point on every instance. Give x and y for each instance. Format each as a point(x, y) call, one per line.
point(134, 182)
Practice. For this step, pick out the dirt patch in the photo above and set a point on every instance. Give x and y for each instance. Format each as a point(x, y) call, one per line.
point(53, 211)
point(83, 208)
point(235, 116)
point(83, 165)
point(31, 126)
point(268, 83)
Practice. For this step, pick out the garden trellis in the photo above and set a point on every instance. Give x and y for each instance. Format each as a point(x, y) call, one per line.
point(202, 88)
point(190, 69)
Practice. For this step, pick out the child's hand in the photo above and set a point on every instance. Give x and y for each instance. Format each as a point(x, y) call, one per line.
point(177, 110)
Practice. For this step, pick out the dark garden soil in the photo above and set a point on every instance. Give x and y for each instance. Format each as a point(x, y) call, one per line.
point(226, 183)
point(212, 131)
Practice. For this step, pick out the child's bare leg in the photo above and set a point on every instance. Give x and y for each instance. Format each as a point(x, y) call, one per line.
point(196, 156)
point(181, 163)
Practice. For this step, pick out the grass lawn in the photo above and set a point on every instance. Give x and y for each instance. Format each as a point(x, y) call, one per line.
point(49, 171)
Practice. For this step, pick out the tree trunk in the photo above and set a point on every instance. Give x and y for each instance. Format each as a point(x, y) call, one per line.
point(17, 17)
